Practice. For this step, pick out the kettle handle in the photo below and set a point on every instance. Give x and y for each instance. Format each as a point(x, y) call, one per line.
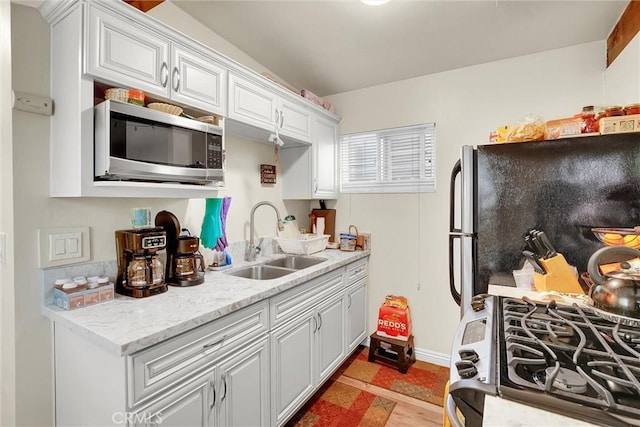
point(608, 254)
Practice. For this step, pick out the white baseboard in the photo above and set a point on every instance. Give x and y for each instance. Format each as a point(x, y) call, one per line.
point(436, 358)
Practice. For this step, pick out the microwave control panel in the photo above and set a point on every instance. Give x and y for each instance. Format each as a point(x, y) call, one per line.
point(214, 151)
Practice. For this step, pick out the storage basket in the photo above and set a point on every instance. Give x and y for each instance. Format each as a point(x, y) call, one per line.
point(348, 240)
point(306, 244)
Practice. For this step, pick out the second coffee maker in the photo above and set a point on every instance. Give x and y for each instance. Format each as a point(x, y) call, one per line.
point(185, 264)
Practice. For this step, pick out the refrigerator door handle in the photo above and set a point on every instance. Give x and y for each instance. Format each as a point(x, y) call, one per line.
point(457, 168)
point(454, 233)
point(452, 285)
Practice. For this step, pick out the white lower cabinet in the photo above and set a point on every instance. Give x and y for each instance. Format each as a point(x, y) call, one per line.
point(234, 392)
point(254, 367)
point(330, 337)
point(304, 353)
point(292, 362)
point(356, 314)
point(243, 385)
point(190, 405)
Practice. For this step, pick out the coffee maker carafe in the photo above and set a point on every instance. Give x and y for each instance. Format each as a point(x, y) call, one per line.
point(141, 272)
point(185, 264)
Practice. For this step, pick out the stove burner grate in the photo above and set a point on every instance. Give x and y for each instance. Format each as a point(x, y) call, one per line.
point(569, 353)
point(562, 379)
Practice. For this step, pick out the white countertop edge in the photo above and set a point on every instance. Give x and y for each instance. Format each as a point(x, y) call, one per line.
point(499, 412)
point(86, 321)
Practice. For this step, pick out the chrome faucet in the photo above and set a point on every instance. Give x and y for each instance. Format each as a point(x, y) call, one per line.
point(252, 250)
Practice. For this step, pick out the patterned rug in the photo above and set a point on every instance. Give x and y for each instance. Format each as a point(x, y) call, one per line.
point(340, 405)
point(423, 380)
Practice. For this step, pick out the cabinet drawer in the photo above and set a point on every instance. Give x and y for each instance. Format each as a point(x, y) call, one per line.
point(153, 370)
point(289, 304)
point(356, 271)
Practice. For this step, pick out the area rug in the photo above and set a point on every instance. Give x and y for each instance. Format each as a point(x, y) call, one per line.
point(423, 380)
point(340, 405)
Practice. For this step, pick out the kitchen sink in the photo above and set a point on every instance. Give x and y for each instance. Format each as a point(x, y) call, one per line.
point(296, 262)
point(260, 272)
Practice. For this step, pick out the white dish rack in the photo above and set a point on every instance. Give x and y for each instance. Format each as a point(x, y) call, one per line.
point(305, 244)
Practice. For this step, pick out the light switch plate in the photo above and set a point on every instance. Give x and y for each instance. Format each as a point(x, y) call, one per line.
point(61, 246)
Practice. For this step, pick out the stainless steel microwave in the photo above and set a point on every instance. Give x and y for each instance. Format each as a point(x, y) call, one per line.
point(137, 143)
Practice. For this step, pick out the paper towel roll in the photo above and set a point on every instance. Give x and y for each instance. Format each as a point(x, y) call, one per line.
point(319, 225)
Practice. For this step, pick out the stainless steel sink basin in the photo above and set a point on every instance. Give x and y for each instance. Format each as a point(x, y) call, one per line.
point(260, 272)
point(296, 262)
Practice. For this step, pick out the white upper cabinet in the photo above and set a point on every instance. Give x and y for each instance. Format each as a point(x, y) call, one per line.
point(294, 120)
point(198, 80)
point(311, 172)
point(251, 103)
point(256, 105)
point(325, 160)
point(112, 43)
point(122, 53)
point(126, 54)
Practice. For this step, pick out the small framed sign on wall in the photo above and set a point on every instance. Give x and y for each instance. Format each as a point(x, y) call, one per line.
point(267, 174)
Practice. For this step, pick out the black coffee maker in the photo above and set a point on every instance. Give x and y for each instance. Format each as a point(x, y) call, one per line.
point(141, 272)
point(185, 264)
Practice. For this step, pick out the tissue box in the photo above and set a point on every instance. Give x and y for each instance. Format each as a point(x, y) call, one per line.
point(394, 318)
point(70, 300)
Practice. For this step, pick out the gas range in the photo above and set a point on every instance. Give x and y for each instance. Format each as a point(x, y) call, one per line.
point(564, 359)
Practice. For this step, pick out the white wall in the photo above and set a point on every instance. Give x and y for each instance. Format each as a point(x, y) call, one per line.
point(35, 209)
point(622, 77)
point(7, 320)
point(409, 232)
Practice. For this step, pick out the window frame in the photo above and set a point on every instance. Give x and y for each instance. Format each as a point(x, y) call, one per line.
point(383, 140)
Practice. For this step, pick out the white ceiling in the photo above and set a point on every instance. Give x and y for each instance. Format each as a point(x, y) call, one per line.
point(335, 46)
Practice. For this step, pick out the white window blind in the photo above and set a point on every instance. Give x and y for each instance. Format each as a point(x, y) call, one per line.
point(399, 160)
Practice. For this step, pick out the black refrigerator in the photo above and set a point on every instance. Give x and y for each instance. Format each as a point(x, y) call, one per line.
point(564, 187)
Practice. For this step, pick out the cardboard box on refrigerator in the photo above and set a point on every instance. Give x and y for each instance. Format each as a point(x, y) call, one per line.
point(394, 318)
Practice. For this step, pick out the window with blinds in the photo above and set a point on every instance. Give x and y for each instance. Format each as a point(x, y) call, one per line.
point(399, 160)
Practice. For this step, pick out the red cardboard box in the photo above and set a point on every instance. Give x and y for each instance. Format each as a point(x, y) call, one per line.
point(394, 318)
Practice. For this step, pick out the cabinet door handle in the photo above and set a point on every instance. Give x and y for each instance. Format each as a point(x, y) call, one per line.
point(277, 117)
point(175, 78)
point(349, 303)
point(320, 319)
point(224, 381)
point(281, 119)
point(315, 185)
point(164, 72)
point(213, 390)
point(211, 345)
point(315, 324)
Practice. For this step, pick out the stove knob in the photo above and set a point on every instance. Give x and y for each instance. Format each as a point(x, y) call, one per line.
point(466, 369)
point(468, 354)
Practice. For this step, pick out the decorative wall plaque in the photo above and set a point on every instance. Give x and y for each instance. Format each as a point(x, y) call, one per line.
point(267, 174)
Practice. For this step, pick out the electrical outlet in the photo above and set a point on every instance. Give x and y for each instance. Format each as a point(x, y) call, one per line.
point(61, 246)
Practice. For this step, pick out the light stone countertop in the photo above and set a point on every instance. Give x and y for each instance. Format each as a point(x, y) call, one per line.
point(125, 325)
point(500, 412)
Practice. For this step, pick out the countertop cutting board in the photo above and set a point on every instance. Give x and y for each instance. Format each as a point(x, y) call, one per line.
point(329, 216)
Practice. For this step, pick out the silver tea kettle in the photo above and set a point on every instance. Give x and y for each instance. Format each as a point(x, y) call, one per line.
point(617, 292)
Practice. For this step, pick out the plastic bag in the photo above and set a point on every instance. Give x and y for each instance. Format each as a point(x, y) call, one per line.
point(531, 128)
